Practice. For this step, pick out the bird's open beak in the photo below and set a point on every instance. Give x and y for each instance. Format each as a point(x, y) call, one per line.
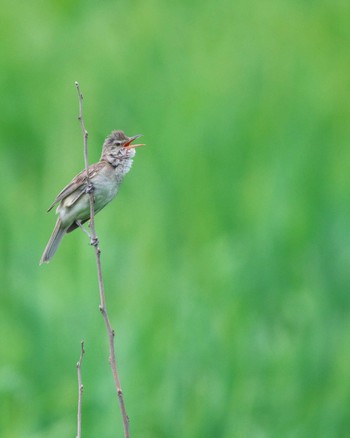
point(131, 139)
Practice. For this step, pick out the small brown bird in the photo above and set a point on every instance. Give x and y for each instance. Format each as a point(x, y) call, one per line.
point(105, 176)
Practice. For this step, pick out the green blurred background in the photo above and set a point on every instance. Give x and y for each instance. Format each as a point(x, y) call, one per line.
point(226, 254)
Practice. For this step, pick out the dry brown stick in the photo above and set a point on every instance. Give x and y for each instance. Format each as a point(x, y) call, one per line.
point(80, 388)
point(103, 308)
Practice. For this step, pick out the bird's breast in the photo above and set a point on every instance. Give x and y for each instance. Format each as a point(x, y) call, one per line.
point(105, 189)
point(106, 184)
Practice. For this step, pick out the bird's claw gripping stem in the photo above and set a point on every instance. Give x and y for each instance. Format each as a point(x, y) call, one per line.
point(89, 188)
point(94, 241)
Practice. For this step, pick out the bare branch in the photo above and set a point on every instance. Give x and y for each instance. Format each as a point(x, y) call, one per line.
point(95, 243)
point(89, 187)
point(80, 389)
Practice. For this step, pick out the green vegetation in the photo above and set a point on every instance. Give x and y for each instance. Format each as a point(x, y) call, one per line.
point(227, 252)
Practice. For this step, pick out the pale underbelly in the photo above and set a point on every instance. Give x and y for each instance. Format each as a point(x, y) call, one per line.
point(104, 192)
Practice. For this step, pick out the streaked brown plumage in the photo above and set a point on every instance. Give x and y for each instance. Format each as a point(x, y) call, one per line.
point(105, 176)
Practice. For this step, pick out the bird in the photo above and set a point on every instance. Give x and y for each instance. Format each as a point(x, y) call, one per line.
point(105, 178)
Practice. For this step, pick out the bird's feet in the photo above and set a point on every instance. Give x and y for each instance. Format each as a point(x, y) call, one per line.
point(94, 241)
point(89, 188)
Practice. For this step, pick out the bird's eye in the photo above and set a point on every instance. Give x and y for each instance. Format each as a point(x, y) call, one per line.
point(118, 143)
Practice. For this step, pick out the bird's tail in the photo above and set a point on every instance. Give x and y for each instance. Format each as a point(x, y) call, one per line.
point(53, 242)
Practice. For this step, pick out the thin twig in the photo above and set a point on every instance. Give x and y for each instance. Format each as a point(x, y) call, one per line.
point(95, 243)
point(80, 389)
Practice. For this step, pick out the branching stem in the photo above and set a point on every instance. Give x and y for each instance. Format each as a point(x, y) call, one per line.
point(95, 243)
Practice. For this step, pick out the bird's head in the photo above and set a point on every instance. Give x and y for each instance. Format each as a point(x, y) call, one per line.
point(119, 147)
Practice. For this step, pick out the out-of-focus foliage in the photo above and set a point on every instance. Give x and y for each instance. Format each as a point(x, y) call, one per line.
point(227, 252)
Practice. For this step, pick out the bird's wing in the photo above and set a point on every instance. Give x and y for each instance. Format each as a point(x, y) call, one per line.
point(78, 184)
